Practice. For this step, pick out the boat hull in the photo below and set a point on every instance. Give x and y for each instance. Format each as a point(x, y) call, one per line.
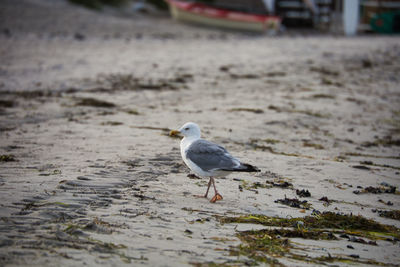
point(208, 16)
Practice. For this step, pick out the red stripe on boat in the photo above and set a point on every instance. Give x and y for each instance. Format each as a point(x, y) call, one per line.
point(201, 9)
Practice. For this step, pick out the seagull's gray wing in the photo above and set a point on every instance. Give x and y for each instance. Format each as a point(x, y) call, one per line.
point(209, 156)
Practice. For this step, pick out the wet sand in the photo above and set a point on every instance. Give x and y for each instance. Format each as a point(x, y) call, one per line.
point(89, 175)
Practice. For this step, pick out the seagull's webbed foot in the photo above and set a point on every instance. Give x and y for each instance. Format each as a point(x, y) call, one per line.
point(216, 198)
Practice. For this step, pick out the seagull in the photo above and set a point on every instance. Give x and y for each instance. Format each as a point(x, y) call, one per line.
point(207, 159)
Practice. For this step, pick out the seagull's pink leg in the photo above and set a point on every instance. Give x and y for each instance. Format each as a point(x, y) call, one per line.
point(217, 196)
point(208, 188)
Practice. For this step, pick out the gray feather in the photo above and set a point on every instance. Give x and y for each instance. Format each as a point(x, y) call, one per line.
point(209, 156)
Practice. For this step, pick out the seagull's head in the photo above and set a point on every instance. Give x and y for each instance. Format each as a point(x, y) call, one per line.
point(190, 129)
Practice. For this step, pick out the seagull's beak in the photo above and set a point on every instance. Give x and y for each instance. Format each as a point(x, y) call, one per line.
point(174, 133)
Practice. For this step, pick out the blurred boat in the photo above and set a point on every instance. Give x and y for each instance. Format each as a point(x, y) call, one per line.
point(202, 14)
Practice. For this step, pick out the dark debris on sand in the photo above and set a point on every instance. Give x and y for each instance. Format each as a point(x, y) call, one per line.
point(294, 203)
point(303, 193)
point(92, 102)
point(389, 189)
point(7, 158)
point(281, 184)
point(391, 214)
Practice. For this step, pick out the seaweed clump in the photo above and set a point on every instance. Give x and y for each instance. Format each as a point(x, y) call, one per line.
point(382, 142)
point(294, 203)
point(268, 184)
point(92, 102)
point(303, 193)
point(253, 186)
point(7, 103)
point(280, 183)
point(306, 112)
point(7, 158)
point(128, 82)
point(267, 245)
point(391, 214)
point(112, 123)
point(254, 110)
point(327, 220)
point(388, 189)
point(326, 201)
point(258, 244)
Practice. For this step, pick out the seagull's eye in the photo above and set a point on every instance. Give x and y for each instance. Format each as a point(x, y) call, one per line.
point(187, 129)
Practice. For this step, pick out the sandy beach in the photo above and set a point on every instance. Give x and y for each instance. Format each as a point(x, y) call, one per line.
point(90, 176)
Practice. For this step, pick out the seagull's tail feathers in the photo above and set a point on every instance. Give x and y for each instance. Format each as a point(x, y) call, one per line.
point(244, 167)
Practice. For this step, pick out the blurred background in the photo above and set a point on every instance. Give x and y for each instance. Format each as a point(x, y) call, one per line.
point(334, 16)
point(307, 91)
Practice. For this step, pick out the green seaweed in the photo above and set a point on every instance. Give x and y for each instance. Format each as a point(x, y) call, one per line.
point(54, 172)
point(254, 110)
point(367, 162)
point(267, 140)
point(301, 233)
point(313, 114)
point(355, 154)
point(325, 96)
point(306, 112)
point(273, 151)
point(92, 102)
point(132, 112)
point(31, 93)
point(38, 204)
point(112, 123)
point(391, 214)
point(268, 245)
point(382, 142)
point(280, 182)
point(7, 103)
point(244, 76)
point(327, 81)
point(230, 263)
point(393, 122)
point(255, 185)
point(7, 158)
point(315, 146)
point(275, 74)
point(127, 82)
point(388, 189)
point(325, 71)
point(350, 261)
point(263, 240)
point(326, 220)
point(59, 203)
point(294, 203)
point(271, 141)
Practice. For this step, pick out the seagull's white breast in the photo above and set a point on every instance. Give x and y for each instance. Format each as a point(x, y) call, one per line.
point(185, 144)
